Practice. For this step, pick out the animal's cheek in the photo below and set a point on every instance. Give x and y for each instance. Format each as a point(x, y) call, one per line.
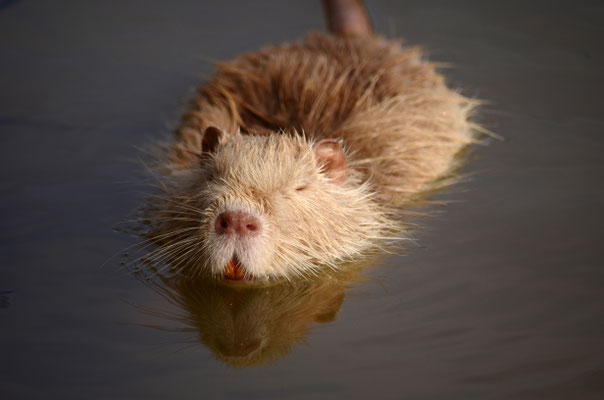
point(266, 204)
point(284, 207)
point(281, 214)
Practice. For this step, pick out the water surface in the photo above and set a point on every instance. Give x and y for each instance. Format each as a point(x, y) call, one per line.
point(502, 299)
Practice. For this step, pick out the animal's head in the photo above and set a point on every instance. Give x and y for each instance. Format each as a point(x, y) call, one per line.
point(262, 207)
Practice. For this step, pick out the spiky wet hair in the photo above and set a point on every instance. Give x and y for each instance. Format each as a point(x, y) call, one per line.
point(399, 124)
point(308, 221)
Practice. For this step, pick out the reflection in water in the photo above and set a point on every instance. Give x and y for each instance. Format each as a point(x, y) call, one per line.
point(250, 325)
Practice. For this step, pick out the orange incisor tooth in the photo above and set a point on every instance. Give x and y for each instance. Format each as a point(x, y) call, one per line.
point(233, 269)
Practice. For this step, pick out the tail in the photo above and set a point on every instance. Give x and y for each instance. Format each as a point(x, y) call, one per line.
point(347, 18)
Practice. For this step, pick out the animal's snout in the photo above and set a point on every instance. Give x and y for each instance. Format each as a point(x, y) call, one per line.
point(237, 223)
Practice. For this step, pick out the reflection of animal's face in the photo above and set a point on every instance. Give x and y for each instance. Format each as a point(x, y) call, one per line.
point(269, 207)
point(252, 326)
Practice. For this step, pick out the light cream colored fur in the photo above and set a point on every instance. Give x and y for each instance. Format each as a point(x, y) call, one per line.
point(399, 124)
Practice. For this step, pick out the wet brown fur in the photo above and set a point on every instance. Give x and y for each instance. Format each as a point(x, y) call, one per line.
point(392, 110)
point(399, 124)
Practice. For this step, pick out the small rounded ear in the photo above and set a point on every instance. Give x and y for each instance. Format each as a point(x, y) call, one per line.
point(211, 138)
point(330, 156)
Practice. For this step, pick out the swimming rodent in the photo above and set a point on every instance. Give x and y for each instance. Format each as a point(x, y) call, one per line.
point(298, 157)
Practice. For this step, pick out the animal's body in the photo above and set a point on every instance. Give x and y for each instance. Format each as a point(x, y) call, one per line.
point(298, 156)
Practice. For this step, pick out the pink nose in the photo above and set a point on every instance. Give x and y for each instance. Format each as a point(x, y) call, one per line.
point(237, 223)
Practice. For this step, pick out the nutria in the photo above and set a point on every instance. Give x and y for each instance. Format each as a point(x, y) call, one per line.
point(299, 157)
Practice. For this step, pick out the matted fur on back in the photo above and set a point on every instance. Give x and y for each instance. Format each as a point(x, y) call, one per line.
point(399, 123)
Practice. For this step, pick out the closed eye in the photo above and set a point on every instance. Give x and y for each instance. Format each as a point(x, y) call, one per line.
point(299, 188)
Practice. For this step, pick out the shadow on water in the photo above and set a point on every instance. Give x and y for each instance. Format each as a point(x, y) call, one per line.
point(246, 326)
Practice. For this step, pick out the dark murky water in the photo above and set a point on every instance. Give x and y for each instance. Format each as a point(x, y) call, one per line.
point(504, 299)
